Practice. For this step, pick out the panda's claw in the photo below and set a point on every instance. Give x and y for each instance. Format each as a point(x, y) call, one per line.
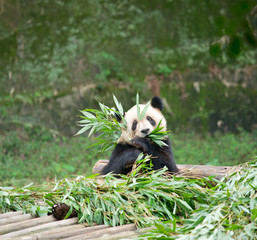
point(140, 143)
point(60, 211)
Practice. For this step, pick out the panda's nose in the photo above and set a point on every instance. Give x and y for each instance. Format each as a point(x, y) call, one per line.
point(145, 131)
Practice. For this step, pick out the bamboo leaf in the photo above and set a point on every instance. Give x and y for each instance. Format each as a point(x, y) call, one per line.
point(118, 105)
point(87, 114)
point(92, 131)
point(142, 114)
point(82, 130)
point(138, 108)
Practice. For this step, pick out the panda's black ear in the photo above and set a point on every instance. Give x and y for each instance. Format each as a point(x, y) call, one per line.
point(156, 102)
point(118, 117)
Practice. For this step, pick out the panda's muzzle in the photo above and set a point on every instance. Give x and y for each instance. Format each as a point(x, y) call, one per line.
point(145, 131)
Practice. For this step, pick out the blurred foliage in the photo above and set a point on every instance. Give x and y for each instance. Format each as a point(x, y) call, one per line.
point(37, 154)
point(102, 40)
point(84, 49)
point(215, 107)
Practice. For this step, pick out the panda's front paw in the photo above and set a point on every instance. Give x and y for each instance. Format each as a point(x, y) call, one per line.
point(60, 211)
point(140, 143)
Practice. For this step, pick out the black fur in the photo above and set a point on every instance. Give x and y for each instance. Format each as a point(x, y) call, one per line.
point(118, 117)
point(156, 102)
point(124, 155)
point(60, 211)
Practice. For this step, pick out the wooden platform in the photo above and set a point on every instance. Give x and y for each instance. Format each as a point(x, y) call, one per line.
point(16, 225)
point(194, 171)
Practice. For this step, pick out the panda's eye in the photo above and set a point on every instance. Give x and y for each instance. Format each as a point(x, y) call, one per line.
point(151, 120)
point(134, 125)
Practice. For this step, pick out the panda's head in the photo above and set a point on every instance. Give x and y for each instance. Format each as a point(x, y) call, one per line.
point(145, 126)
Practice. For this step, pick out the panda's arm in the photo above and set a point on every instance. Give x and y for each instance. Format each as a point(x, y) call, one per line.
point(161, 156)
point(166, 158)
point(122, 159)
point(143, 144)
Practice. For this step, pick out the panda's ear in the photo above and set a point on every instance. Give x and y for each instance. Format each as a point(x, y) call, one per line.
point(156, 102)
point(118, 117)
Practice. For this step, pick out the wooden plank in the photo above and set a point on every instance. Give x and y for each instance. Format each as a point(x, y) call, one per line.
point(10, 214)
point(44, 233)
point(60, 229)
point(118, 236)
point(25, 224)
point(99, 165)
point(15, 219)
point(107, 231)
point(70, 231)
point(188, 170)
point(39, 227)
point(206, 170)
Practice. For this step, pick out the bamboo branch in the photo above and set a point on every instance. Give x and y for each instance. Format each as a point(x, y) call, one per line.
point(187, 170)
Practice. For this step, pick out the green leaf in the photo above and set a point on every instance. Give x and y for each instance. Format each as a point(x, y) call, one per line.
point(103, 108)
point(118, 105)
point(87, 114)
point(92, 131)
point(142, 114)
point(82, 130)
point(138, 108)
point(184, 205)
point(254, 214)
point(233, 227)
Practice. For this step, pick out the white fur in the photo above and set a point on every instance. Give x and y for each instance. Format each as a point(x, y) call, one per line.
point(131, 115)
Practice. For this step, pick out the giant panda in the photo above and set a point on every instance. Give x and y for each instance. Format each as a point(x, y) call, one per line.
point(134, 141)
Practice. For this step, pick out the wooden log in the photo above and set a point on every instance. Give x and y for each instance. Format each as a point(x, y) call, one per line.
point(200, 171)
point(99, 165)
point(10, 214)
point(101, 232)
point(25, 224)
point(70, 231)
point(118, 236)
point(15, 219)
point(196, 171)
point(38, 226)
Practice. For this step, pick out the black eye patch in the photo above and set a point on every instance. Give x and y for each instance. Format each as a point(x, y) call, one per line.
point(134, 125)
point(151, 120)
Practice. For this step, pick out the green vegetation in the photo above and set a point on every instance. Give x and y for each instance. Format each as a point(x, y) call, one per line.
point(229, 213)
point(35, 154)
point(56, 57)
point(103, 123)
point(177, 206)
point(221, 149)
